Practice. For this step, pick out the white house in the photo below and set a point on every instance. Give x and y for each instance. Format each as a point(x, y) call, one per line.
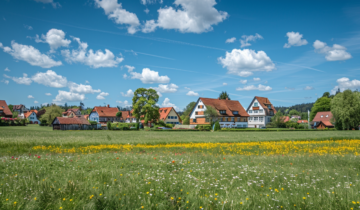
point(261, 111)
point(230, 113)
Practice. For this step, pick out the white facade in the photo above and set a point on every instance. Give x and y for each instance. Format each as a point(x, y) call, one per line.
point(33, 118)
point(197, 109)
point(258, 117)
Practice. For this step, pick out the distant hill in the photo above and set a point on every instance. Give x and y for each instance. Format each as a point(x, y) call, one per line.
point(298, 107)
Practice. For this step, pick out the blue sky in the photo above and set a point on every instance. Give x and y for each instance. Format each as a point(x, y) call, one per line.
point(99, 51)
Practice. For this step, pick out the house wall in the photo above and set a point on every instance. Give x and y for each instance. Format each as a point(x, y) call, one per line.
point(33, 119)
point(94, 116)
point(256, 115)
point(199, 110)
point(321, 126)
point(174, 116)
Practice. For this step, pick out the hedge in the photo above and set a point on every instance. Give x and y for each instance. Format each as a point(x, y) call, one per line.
point(268, 130)
point(176, 130)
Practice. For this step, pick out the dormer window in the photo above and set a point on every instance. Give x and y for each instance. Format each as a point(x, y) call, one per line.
point(322, 116)
point(235, 112)
point(256, 104)
point(327, 115)
point(269, 106)
point(222, 111)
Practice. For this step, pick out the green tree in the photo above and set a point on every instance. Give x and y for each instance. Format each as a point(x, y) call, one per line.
point(304, 115)
point(345, 108)
point(321, 105)
point(217, 126)
point(108, 125)
point(51, 113)
point(119, 114)
point(210, 113)
point(224, 95)
point(185, 116)
point(326, 94)
point(277, 120)
point(15, 114)
point(11, 107)
point(144, 104)
point(294, 112)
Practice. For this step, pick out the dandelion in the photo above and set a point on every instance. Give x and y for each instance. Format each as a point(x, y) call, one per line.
point(354, 202)
point(147, 192)
point(241, 203)
point(142, 207)
point(15, 203)
point(282, 188)
point(114, 180)
point(7, 199)
point(100, 194)
point(60, 207)
point(64, 199)
point(59, 189)
point(179, 198)
point(304, 198)
point(200, 207)
point(308, 193)
point(187, 201)
point(215, 198)
point(295, 205)
point(120, 174)
point(71, 200)
point(247, 199)
point(35, 198)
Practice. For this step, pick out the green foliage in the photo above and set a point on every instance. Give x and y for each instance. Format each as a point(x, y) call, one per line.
point(321, 105)
point(10, 106)
point(217, 126)
point(51, 113)
point(210, 113)
point(203, 127)
point(119, 114)
point(277, 120)
point(298, 107)
point(144, 104)
point(294, 112)
point(137, 126)
point(93, 122)
point(170, 125)
point(185, 116)
point(326, 94)
point(224, 95)
point(15, 114)
point(345, 108)
point(304, 115)
point(161, 123)
point(108, 124)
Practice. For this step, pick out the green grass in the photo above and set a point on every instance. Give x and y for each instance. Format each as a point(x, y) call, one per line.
point(173, 178)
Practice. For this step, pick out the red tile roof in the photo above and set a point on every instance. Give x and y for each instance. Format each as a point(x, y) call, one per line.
point(327, 123)
point(27, 114)
point(127, 114)
point(72, 121)
point(286, 118)
point(164, 112)
point(264, 102)
point(326, 116)
point(302, 121)
point(5, 108)
point(105, 111)
point(228, 105)
point(74, 110)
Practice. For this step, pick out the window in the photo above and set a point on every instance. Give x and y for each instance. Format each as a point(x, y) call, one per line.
point(251, 118)
point(261, 110)
point(255, 111)
point(256, 104)
point(327, 115)
point(322, 116)
point(200, 106)
point(244, 119)
point(194, 120)
point(250, 111)
point(256, 118)
point(271, 113)
point(196, 113)
point(235, 112)
point(238, 119)
point(222, 112)
point(232, 119)
point(261, 119)
point(269, 106)
point(175, 117)
point(226, 119)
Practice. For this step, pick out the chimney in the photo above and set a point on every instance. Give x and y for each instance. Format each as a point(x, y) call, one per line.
point(108, 106)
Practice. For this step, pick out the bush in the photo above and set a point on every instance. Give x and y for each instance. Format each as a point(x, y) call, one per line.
point(108, 124)
point(217, 126)
point(161, 123)
point(169, 125)
point(203, 127)
point(93, 122)
point(137, 126)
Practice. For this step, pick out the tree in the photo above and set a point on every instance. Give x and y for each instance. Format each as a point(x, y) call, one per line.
point(321, 105)
point(11, 107)
point(81, 106)
point(345, 108)
point(277, 120)
point(51, 113)
point(144, 104)
point(108, 125)
point(210, 113)
point(224, 95)
point(185, 116)
point(326, 94)
point(15, 114)
point(294, 112)
point(304, 116)
point(119, 114)
point(66, 107)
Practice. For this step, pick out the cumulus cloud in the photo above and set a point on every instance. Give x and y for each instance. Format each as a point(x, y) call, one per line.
point(30, 96)
point(145, 2)
point(245, 62)
point(256, 79)
point(129, 68)
point(192, 93)
point(166, 103)
point(246, 39)
point(149, 77)
point(253, 87)
point(54, 4)
point(65, 96)
point(55, 38)
point(48, 94)
point(5, 81)
point(346, 84)
point(129, 93)
point(6, 69)
point(243, 81)
point(124, 103)
point(84, 89)
point(295, 39)
point(125, 76)
point(35, 102)
point(308, 88)
point(191, 16)
point(334, 53)
point(25, 80)
point(50, 78)
point(94, 60)
point(231, 40)
point(115, 12)
point(102, 95)
point(30, 54)
point(169, 88)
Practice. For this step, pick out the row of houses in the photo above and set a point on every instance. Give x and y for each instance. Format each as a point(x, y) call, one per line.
point(23, 112)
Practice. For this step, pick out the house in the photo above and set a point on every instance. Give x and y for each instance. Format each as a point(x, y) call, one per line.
point(31, 116)
point(286, 118)
point(20, 109)
point(230, 113)
point(76, 111)
point(261, 111)
point(302, 121)
point(323, 120)
point(75, 123)
point(104, 114)
point(69, 114)
point(4, 110)
point(169, 115)
point(127, 117)
point(296, 117)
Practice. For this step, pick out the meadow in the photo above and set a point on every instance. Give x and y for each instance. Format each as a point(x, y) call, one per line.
point(45, 169)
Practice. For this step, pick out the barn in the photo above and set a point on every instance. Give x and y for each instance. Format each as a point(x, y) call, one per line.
point(62, 123)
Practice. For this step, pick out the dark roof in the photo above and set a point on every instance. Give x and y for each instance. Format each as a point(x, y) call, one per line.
point(5, 107)
point(16, 107)
point(228, 105)
point(106, 111)
point(326, 116)
point(72, 121)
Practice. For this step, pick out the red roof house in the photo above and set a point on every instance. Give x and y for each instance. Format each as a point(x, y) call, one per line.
point(4, 109)
point(323, 120)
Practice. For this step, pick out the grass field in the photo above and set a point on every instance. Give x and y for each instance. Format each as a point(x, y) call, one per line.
point(45, 169)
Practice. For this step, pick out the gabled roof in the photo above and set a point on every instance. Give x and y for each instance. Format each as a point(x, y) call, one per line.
point(164, 112)
point(326, 116)
point(27, 114)
point(72, 121)
point(106, 111)
point(264, 102)
point(302, 121)
point(74, 110)
point(228, 105)
point(326, 123)
point(5, 108)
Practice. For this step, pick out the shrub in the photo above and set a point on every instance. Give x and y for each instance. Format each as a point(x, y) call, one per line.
point(137, 126)
point(92, 122)
point(169, 125)
point(161, 123)
point(217, 126)
point(108, 124)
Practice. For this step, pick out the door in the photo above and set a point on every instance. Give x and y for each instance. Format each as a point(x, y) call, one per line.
point(255, 126)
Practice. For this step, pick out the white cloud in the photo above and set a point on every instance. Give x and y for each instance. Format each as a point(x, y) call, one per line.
point(20, 80)
point(55, 38)
point(48, 94)
point(130, 68)
point(192, 93)
point(145, 2)
point(225, 84)
point(84, 89)
point(187, 88)
point(65, 96)
point(102, 95)
point(243, 81)
point(253, 87)
point(346, 84)
point(334, 53)
point(149, 77)
point(146, 11)
point(125, 76)
point(30, 96)
point(94, 60)
point(308, 88)
point(295, 39)
point(6, 69)
point(115, 12)
point(5, 81)
point(54, 4)
point(231, 40)
point(36, 102)
point(169, 88)
point(244, 62)
point(125, 103)
point(191, 16)
point(245, 39)
point(50, 78)
point(256, 79)
point(129, 93)
point(31, 55)
point(28, 27)
point(87, 82)
point(166, 103)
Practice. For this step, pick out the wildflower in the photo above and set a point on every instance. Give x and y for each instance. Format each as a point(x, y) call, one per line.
point(308, 193)
point(172, 198)
point(200, 207)
point(7, 199)
point(247, 199)
point(240, 203)
point(64, 199)
point(179, 198)
point(60, 207)
point(147, 192)
point(216, 194)
point(120, 174)
point(39, 157)
point(354, 202)
point(59, 189)
point(35, 198)
point(181, 190)
point(15, 203)
point(187, 201)
point(267, 195)
point(187, 193)
point(100, 194)
point(142, 207)
point(304, 198)
point(282, 188)
point(215, 198)
point(295, 205)
point(71, 200)
point(173, 161)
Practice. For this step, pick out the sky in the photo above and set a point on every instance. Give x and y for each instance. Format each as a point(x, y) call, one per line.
point(100, 51)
